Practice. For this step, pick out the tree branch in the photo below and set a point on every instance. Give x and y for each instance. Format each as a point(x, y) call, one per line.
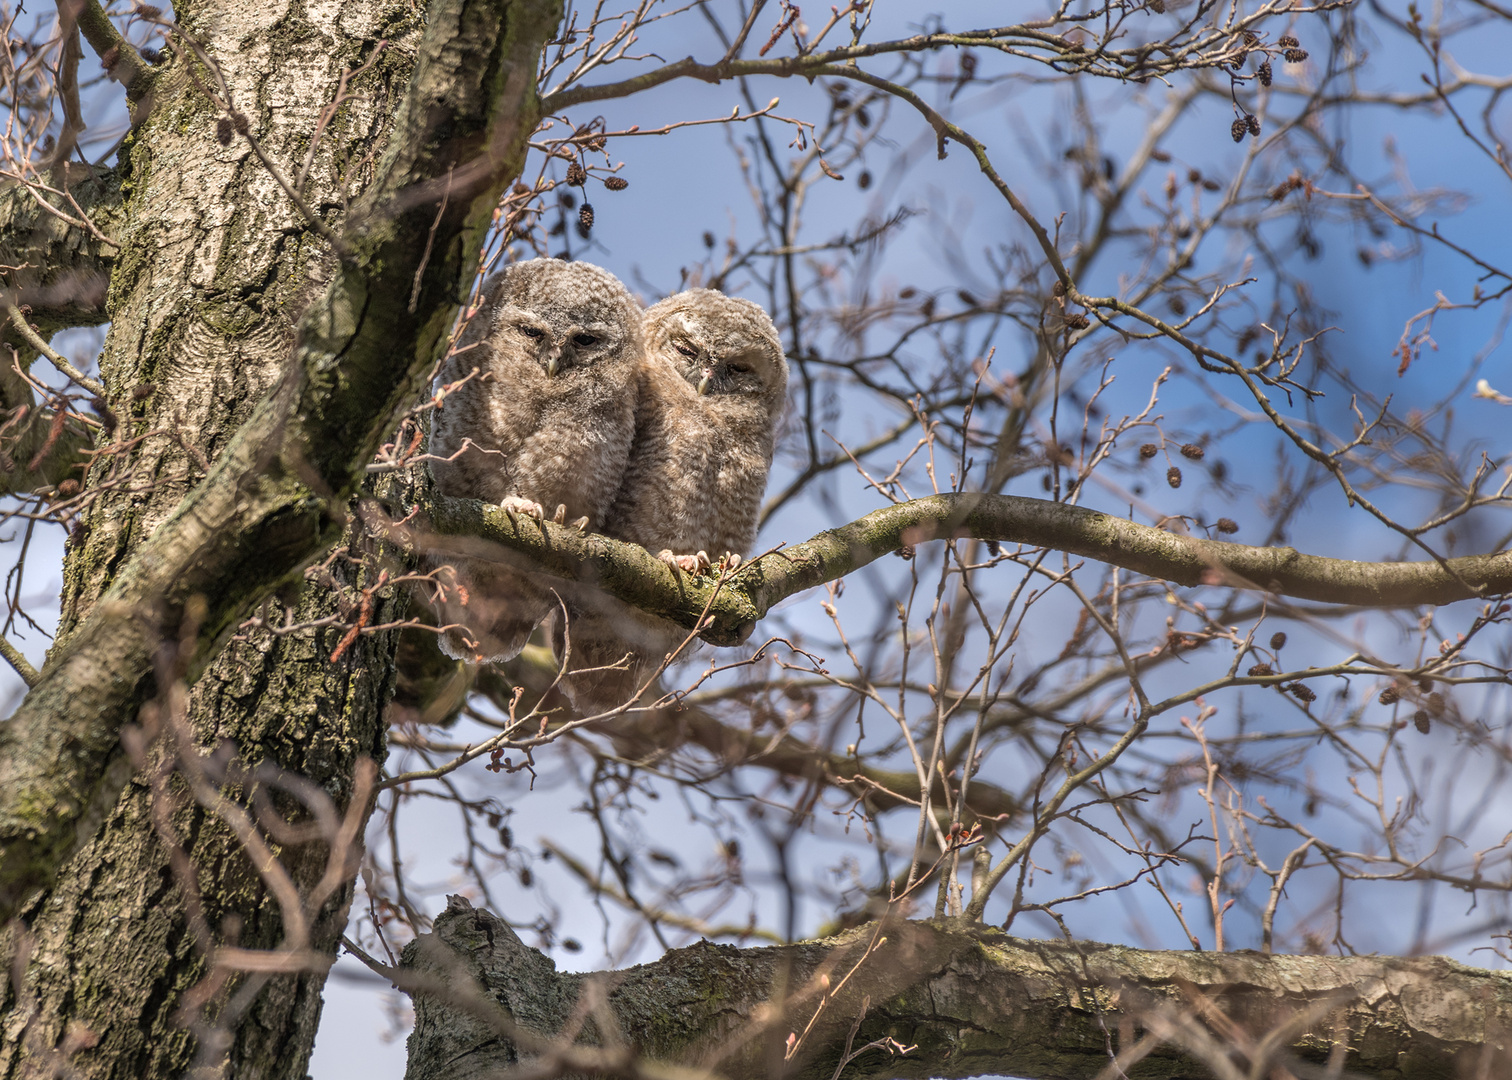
point(642, 733)
point(19, 662)
point(968, 999)
point(1018, 39)
point(126, 65)
point(734, 604)
point(59, 361)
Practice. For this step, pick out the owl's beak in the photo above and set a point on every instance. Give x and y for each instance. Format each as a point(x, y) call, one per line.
point(553, 365)
point(703, 382)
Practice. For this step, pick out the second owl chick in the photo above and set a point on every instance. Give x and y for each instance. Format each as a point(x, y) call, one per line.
point(711, 391)
point(546, 423)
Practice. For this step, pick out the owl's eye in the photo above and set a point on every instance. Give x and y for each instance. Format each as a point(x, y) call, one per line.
point(531, 332)
point(583, 340)
point(741, 369)
point(687, 350)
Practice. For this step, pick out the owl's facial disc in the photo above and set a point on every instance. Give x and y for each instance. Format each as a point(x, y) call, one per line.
point(559, 349)
point(736, 371)
point(688, 357)
point(583, 343)
point(538, 338)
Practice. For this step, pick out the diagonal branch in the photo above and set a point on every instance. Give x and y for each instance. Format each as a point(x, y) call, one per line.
point(118, 55)
point(59, 361)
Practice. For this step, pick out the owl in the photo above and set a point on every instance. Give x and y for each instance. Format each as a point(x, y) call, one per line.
point(711, 390)
point(542, 428)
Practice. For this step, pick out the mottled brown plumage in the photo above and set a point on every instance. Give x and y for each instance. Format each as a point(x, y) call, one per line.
point(711, 390)
point(712, 387)
point(544, 428)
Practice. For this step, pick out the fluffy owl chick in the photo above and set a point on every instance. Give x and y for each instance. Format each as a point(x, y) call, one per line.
point(543, 428)
point(711, 390)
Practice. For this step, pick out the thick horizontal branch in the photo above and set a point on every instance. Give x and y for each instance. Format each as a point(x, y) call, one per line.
point(968, 1001)
point(732, 606)
point(275, 497)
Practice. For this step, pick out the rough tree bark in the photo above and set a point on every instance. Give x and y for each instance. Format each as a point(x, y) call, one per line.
point(262, 369)
point(968, 1000)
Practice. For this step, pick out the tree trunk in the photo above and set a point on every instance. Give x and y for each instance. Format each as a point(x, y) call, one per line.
point(215, 266)
point(121, 951)
point(965, 1001)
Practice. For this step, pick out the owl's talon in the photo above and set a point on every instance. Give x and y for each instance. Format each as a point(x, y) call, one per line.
point(730, 560)
point(688, 564)
point(560, 517)
point(515, 504)
point(581, 524)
